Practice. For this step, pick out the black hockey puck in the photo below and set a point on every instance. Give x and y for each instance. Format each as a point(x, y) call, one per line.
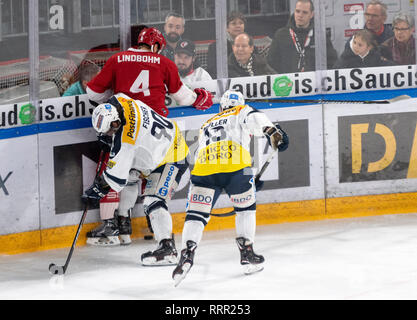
point(148, 237)
point(54, 269)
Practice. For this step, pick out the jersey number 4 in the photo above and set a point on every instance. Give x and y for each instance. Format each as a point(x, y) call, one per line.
point(141, 83)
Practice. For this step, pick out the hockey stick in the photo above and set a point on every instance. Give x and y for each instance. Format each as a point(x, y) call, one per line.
point(53, 268)
point(387, 101)
point(257, 178)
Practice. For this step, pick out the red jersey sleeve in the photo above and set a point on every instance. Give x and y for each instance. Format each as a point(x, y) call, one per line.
point(104, 79)
point(172, 79)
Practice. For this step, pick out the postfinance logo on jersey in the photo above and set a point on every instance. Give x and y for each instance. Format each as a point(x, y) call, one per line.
point(130, 129)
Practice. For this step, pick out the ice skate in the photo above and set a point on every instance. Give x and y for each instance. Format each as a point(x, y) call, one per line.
point(250, 261)
point(105, 235)
point(185, 263)
point(164, 255)
point(125, 229)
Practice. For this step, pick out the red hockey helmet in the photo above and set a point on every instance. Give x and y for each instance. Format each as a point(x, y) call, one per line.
point(151, 36)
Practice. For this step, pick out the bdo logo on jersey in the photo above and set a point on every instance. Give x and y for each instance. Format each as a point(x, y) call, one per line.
point(201, 199)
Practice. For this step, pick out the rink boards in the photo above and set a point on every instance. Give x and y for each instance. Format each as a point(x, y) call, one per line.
point(344, 160)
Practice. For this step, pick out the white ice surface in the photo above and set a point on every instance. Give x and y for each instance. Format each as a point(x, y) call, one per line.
point(359, 259)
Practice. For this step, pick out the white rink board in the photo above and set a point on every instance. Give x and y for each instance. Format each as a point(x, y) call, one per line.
point(333, 112)
point(47, 204)
point(30, 204)
point(25, 150)
point(20, 208)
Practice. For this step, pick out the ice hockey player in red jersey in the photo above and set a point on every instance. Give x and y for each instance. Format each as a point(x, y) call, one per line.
point(142, 74)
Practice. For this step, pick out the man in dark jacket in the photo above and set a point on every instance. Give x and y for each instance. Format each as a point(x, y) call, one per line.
point(375, 17)
point(173, 30)
point(293, 47)
point(244, 62)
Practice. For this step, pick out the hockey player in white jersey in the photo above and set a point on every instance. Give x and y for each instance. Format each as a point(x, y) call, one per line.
point(221, 159)
point(145, 145)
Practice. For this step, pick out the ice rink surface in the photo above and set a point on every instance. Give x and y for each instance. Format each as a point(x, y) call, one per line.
point(371, 258)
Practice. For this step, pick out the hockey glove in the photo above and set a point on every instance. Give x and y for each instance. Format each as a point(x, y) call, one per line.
point(277, 138)
point(105, 142)
point(259, 184)
point(204, 99)
point(98, 190)
point(285, 141)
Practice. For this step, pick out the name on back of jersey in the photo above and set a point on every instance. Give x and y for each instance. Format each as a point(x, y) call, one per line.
point(138, 58)
point(145, 117)
point(224, 114)
point(218, 123)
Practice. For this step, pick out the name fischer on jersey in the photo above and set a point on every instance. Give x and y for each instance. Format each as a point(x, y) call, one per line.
point(138, 58)
point(145, 117)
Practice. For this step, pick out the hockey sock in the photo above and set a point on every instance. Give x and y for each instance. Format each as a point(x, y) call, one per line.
point(108, 205)
point(161, 222)
point(128, 197)
point(193, 230)
point(246, 224)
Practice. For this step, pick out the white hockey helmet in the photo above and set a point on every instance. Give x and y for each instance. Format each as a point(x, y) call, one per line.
point(103, 115)
point(230, 99)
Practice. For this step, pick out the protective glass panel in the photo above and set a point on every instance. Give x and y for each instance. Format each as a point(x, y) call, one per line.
point(375, 45)
point(76, 38)
point(382, 29)
point(250, 29)
point(14, 62)
point(186, 23)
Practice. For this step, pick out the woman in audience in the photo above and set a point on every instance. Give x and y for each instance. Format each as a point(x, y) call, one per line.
point(236, 22)
point(401, 48)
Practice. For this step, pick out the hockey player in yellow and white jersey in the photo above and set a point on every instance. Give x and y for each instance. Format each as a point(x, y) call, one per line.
point(145, 145)
point(221, 159)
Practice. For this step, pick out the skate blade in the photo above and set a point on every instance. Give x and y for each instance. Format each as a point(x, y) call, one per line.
point(167, 261)
point(104, 242)
point(252, 268)
point(125, 239)
point(179, 277)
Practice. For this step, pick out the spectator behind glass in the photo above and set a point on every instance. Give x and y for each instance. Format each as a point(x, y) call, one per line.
point(293, 46)
point(184, 59)
point(236, 22)
point(173, 30)
point(401, 48)
point(362, 52)
point(244, 62)
point(375, 17)
point(87, 72)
